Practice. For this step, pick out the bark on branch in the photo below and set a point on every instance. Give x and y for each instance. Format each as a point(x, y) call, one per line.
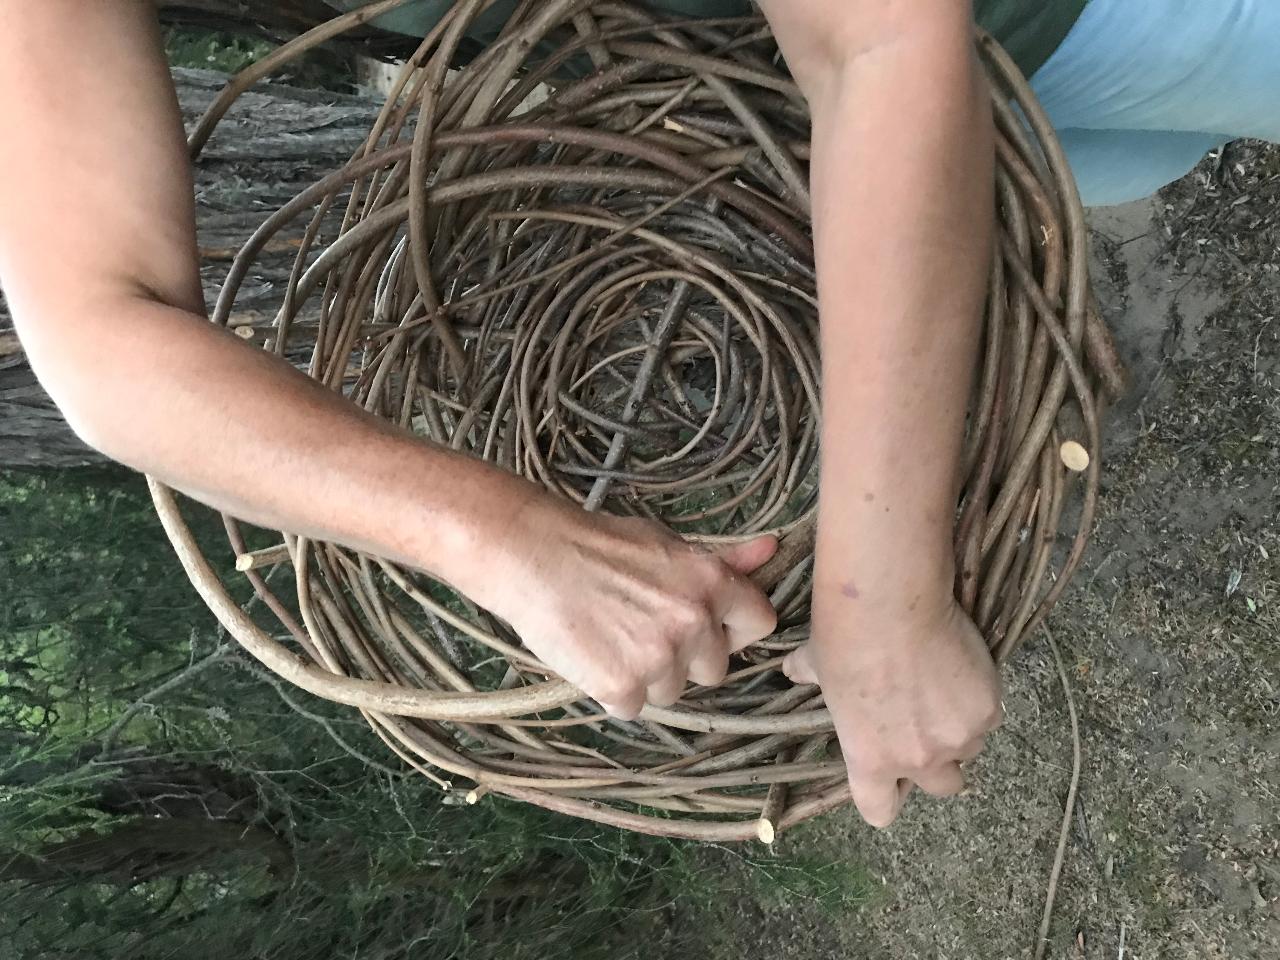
point(275, 141)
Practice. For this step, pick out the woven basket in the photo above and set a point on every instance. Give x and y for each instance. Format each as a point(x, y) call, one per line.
point(586, 257)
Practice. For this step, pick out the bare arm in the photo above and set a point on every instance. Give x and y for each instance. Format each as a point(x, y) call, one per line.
point(902, 174)
point(99, 263)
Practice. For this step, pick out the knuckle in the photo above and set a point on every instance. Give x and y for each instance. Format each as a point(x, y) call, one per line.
point(872, 765)
point(957, 739)
point(686, 618)
point(653, 659)
point(768, 619)
point(649, 664)
point(617, 690)
point(708, 631)
point(707, 569)
point(710, 673)
point(665, 696)
point(918, 756)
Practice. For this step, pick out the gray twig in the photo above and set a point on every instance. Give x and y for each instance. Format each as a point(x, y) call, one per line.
point(144, 701)
point(324, 722)
point(1056, 871)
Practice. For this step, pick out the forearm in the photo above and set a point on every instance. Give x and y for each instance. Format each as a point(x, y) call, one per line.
point(902, 197)
point(243, 431)
point(98, 258)
point(903, 220)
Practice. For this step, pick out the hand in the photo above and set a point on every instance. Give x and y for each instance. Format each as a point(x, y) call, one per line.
point(913, 694)
point(625, 610)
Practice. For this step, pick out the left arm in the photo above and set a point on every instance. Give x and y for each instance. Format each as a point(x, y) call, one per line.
point(902, 197)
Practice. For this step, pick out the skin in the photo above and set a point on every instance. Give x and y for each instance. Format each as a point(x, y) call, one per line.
point(906, 674)
point(99, 264)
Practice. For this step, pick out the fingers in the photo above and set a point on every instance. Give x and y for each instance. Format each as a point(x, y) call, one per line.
point(745, 612)
point(798, 666)
point(745, 557)
point(625, 707)
point(701, 657)
point(877, 803)
point(879, 799)
point(997, 717)
point(695, 645)
point(944, 780)
point(668, 686)
point(739, 604)
point(710, 661)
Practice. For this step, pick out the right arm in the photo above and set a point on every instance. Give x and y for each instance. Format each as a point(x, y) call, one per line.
point(100, 267)
point(907, 677)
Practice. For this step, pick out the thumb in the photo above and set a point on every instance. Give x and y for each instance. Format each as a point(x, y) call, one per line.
point(798, 666)
point(747, 556)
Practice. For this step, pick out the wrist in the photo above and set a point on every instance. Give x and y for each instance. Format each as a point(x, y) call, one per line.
point(874, 604)
point(895, 594)
point(471, 536)
point(876, 561)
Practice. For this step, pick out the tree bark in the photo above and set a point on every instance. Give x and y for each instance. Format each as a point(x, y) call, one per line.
point(276, 141)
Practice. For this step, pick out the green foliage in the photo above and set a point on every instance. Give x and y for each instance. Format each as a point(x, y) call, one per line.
point(832, 885)
point(127, 720)
point(207, 50)
point(90, 597)
point(233, 52)
point(704, 874)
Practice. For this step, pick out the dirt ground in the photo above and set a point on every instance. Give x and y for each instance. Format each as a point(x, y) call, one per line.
point(1170, 638)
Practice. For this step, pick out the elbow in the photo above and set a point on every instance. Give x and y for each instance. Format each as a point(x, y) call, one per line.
point(75, 371)
point(71, 385)
point(96, 425)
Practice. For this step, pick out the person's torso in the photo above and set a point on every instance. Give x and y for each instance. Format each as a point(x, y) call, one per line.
point(1031, 30)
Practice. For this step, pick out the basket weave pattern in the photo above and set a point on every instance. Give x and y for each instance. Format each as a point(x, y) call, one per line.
point(610, 290)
